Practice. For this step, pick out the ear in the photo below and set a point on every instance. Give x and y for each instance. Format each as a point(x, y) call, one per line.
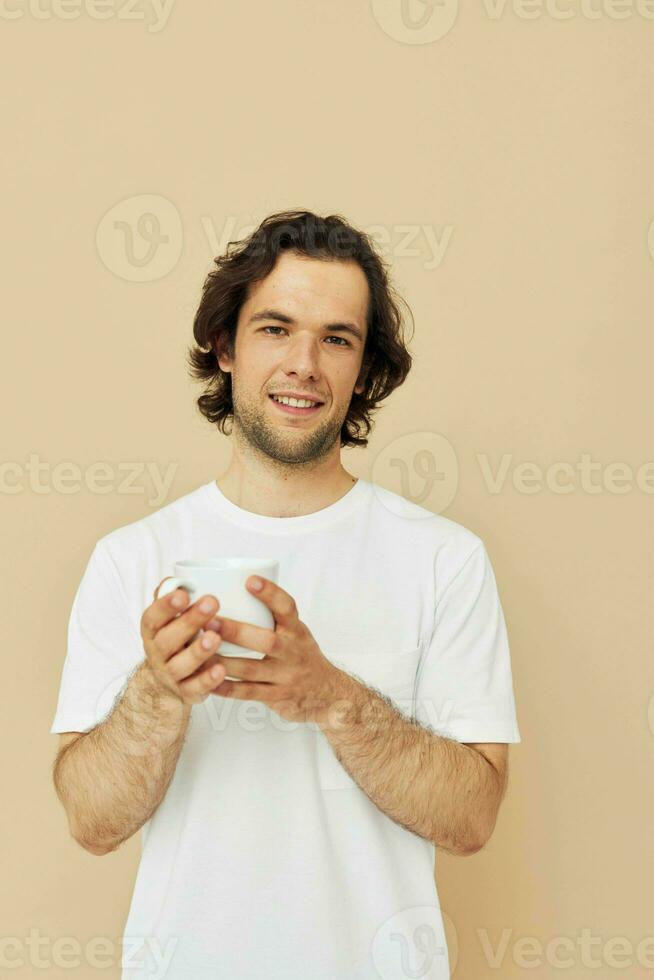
point(225, 360)
point(360, 385)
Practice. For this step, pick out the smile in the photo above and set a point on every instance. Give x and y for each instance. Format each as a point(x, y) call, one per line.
point(294, 409)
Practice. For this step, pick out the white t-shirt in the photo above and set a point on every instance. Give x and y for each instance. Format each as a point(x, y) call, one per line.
point(265, 860)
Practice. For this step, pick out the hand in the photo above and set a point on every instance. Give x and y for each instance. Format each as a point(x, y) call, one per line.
point(295, 679)
point(175, 646)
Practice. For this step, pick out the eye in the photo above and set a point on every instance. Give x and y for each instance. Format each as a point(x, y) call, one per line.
point(343, 341)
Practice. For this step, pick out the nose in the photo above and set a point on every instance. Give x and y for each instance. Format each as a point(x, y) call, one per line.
point(302, 359)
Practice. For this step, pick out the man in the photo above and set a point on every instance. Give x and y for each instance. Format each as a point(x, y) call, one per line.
point(289, 817)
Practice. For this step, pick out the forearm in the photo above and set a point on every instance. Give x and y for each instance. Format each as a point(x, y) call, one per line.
point(112, 779)
point(440, 789)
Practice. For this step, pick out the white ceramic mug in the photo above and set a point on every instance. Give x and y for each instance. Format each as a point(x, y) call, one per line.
point(225, 578)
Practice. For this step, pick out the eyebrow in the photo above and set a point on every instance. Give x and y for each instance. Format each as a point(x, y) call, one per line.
point(350, 328)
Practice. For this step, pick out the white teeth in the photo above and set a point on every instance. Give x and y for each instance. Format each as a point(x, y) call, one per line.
point(295, 402)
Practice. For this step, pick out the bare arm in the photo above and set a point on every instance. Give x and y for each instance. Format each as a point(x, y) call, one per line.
point(111, 779)
point(445, 791)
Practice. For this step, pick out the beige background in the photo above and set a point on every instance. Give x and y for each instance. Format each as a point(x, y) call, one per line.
point(524, 145)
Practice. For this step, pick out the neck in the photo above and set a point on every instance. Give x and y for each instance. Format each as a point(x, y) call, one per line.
point(275, 490)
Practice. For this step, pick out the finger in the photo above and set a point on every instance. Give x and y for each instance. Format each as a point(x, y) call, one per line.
point(155, 594)
point(246, 634)
point(162, 610)
point(281, 604)
point(197, 686)
point(243, 691)
point(194, 656)
point(174, 633)
point(248, 669)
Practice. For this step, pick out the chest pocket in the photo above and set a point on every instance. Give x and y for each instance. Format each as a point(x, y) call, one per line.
point(392, 673)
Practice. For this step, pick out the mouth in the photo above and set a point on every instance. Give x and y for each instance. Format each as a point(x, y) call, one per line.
point(294, 410)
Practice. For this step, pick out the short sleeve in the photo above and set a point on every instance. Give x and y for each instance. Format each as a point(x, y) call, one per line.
point(464, 685)
point(104, 646)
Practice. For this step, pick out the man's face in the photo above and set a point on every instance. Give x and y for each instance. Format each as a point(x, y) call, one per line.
point(307, 353)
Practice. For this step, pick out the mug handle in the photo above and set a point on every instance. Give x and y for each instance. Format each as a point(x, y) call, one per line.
point(175, 583)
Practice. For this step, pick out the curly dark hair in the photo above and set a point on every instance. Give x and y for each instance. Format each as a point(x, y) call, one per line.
point(385, 358)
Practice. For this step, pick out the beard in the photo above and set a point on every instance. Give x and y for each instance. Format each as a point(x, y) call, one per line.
point(287, 445)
